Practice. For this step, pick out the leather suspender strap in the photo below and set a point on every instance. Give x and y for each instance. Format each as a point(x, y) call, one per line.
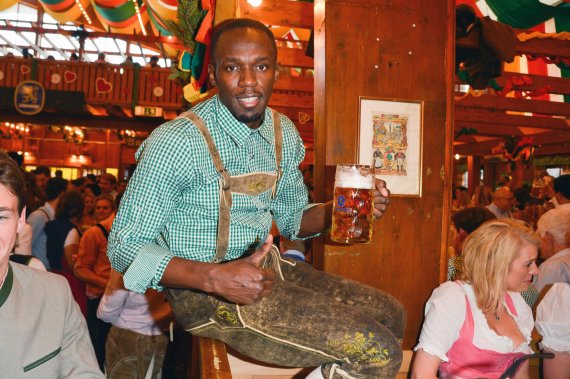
point(225, 185)
point(278, 133)
point(225, 180)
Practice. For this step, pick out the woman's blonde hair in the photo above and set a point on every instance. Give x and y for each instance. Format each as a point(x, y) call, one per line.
point(488, 253)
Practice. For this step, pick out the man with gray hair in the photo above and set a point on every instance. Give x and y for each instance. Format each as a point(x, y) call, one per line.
point(554, 230)
point(503, 201)
point(562, 191)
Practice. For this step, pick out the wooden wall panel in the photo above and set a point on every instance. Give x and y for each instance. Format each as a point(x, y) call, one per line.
point(397, 49)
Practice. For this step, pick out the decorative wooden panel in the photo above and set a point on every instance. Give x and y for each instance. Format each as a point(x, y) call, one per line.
point(398, 49)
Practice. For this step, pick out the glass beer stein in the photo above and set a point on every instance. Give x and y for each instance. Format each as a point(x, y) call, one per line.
point(353, 204)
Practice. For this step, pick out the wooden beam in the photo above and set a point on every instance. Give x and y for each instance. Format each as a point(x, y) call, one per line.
point(294, 83)
point(295, 14)
point(543, 150)
point(551, 138)
point(486, 129)
point(493, 102)
point(60, 119)
point(557, 85)
point(476, 148)
point(549, 47)
point(295, 101)
point(213, 359)
point(291, 57)
point(462, 114)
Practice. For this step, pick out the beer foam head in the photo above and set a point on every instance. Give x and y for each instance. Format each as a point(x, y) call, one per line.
point(354, 176)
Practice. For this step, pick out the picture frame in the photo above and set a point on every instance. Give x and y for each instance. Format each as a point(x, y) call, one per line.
point(390, 140)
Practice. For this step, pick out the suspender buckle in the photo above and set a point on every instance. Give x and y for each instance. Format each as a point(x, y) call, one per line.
point(225, 178)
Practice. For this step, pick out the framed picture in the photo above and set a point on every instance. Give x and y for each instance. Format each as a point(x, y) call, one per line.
point(390, 140)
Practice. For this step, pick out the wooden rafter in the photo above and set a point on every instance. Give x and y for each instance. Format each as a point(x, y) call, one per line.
point(495, 118)
point(493, 102)
point(296, 14)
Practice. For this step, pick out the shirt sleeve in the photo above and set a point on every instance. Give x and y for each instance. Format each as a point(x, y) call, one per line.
point(164, 164)
point(547, 274)
point(292, 196)
point(444, 317)
point(552, 321)
point(111, 304)
point(72, 238)
point(37, 221)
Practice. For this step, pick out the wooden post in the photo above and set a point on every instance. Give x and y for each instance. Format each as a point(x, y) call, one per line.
point(382, 49)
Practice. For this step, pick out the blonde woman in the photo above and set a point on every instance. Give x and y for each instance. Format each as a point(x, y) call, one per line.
point(476, 327)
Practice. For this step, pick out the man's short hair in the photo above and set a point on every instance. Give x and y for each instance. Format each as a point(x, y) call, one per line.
point(557, 222)
point(109, 177)
point(562, 185)
point(42, 170)
point(470, 219)
point(55, 187)
point(239, 23)
point(18, 158)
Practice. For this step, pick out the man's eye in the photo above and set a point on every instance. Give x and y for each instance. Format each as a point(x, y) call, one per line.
point(231, 68)
point(262, 67)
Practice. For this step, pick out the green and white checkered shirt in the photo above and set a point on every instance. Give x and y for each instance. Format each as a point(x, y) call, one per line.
point(171, 205)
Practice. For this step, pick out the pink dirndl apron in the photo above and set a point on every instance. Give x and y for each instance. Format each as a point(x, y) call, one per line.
point(467, 361)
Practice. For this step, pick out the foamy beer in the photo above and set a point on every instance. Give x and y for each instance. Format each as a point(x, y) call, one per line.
point(353, 201)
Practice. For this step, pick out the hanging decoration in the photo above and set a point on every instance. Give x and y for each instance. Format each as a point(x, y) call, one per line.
point(122, 16)
point(513, 150)
point(25, 69)
point(158, 91)
point(65, 10)
point(304, 118)
point(103, 86)
point(5, 4)
point(55, 78)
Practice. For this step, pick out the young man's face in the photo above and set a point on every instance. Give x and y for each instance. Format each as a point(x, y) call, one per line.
point(244, 68)
point(11, 223)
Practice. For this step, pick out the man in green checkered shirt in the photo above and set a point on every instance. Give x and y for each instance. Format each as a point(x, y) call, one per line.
point(196, 218)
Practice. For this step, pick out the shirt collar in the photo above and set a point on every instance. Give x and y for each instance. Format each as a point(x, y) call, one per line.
point(561, 253)
point(6, 286)
point(238, 131)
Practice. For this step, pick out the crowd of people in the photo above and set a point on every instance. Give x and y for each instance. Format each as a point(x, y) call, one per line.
point(191, 239)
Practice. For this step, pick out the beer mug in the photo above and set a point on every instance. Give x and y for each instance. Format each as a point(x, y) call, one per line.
point(353, 204)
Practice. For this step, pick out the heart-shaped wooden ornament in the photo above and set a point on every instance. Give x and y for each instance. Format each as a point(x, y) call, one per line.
point(103, 86)
point(25, 69)
point(70, 76)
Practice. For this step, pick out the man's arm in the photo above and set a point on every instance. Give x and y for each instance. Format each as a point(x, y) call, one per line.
point(88, 249)
point(241, 281)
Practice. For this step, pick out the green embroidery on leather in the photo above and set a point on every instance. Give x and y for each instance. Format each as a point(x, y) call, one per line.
point(41, 360)
point(362, 348)
point(226, 314)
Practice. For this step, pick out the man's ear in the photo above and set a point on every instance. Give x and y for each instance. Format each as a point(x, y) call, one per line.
point(212, 74)
point(278, 69)
point(22, 220)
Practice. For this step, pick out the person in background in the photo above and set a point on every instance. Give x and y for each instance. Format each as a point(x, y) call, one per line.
point(562, 190)
point(88, 218)
point(465, 222)
point(43, 334)
point(91, 178)
point(108, 184)
point(136, 344)
point(62, 243)
point(475, 328)
point(503, 202)
point(42, 174)
point(554, 230)
point(547, 192)
point(26, 54)
point(59, 174)
point(101, 59)
point(553, 324)
point(153, 62)
point(173, 228)
point(74, 57)
point(482, 196)
point(92, 189)
point(38, 219)
point(93, 268)
point(461, 200)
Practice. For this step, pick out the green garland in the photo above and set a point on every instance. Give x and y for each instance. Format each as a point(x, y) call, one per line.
point(190, 16)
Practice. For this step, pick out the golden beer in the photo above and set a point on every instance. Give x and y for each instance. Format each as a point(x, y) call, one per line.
point(353, 204)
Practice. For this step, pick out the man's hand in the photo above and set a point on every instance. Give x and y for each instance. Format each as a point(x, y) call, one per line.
point(243, 281)
point(381, 198)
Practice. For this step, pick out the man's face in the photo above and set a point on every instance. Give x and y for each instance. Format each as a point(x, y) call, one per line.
point(41, 180)
point(106, 186)
point(103, 209)
point(505, 201)
point(244, 69)
point(11, 223)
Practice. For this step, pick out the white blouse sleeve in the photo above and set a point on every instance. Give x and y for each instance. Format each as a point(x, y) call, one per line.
point(444, 317)
point(72, 238)
point(552, 318)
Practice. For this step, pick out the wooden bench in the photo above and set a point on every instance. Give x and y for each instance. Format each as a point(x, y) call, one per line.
point(214, 360)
